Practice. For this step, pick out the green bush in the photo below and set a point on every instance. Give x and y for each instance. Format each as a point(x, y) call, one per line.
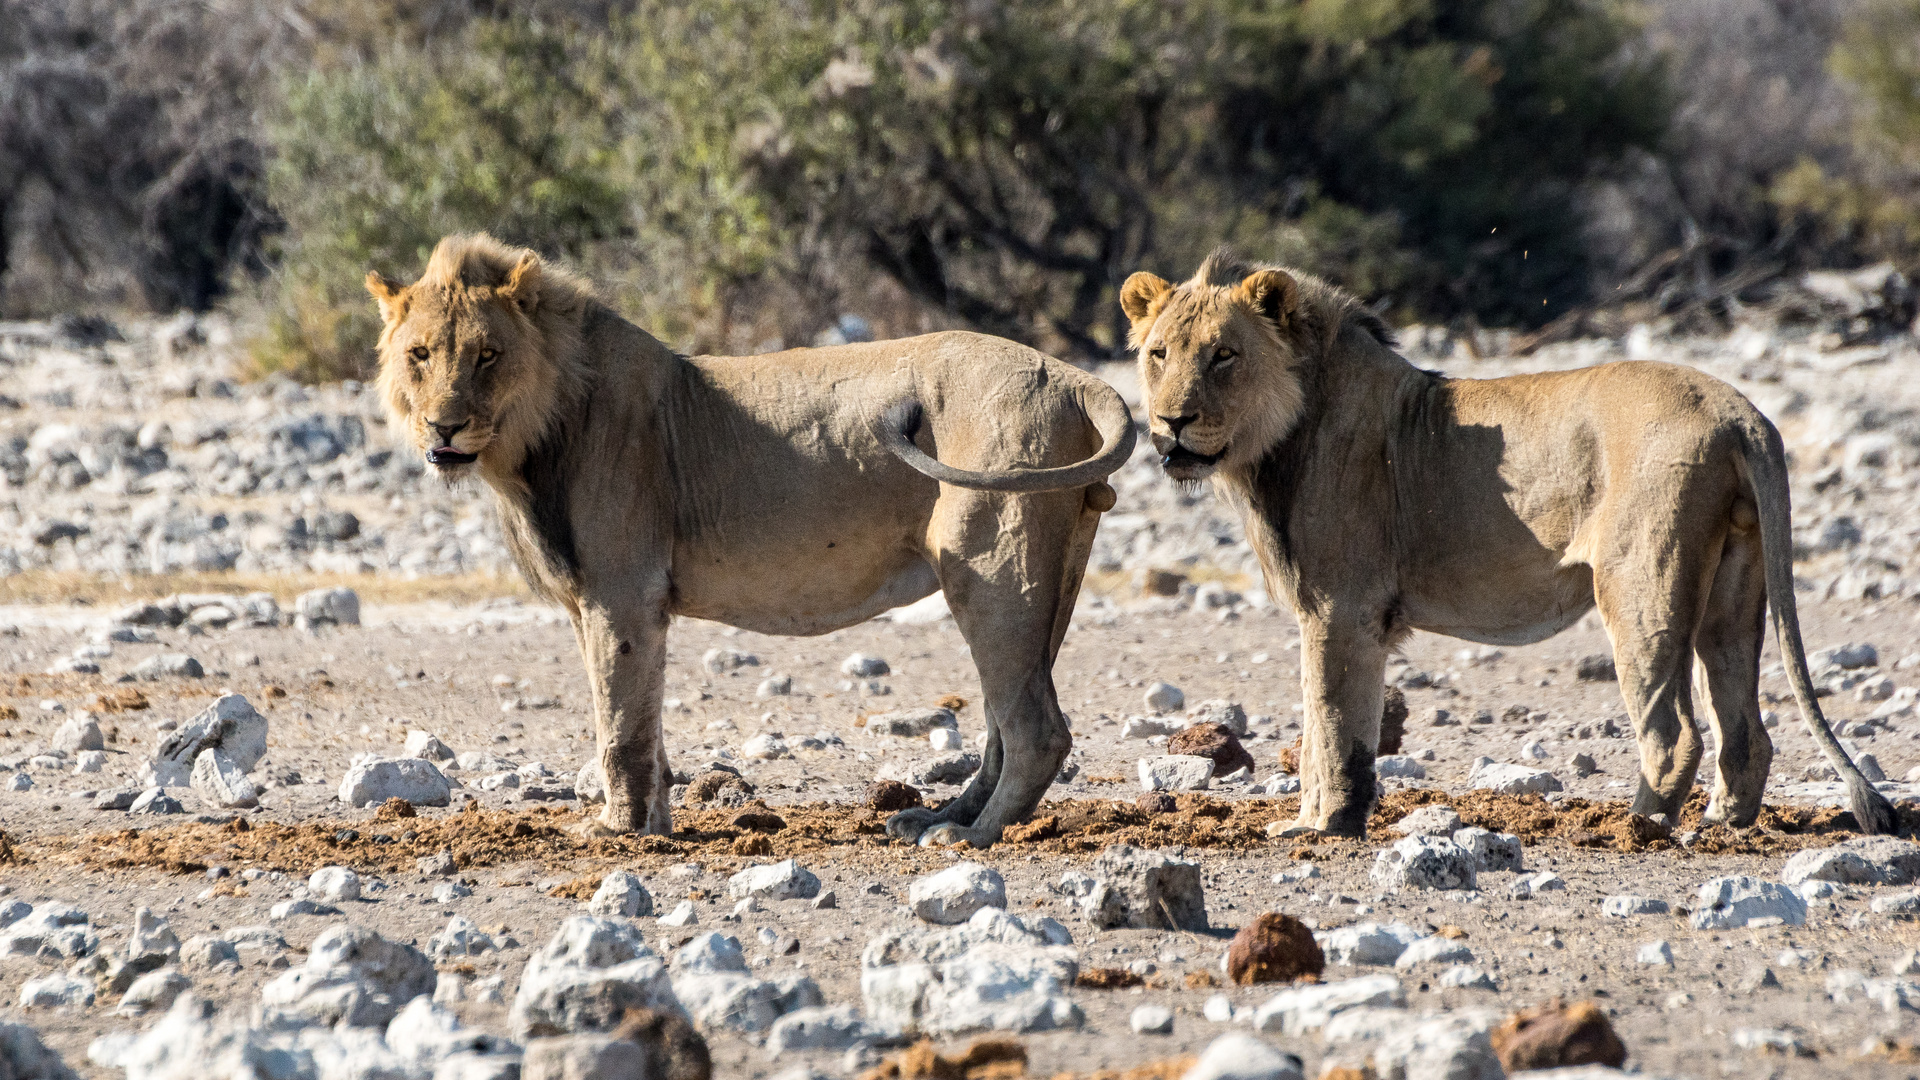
point(1002, 166)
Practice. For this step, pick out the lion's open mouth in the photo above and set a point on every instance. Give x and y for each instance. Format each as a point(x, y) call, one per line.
point(447, 457)
point(1181, 459)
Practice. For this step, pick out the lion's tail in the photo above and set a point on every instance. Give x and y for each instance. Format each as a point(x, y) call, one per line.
point(1765, 461)
point(1099, 402)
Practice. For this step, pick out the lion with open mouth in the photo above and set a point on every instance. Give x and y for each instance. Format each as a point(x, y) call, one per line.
point(796, 492)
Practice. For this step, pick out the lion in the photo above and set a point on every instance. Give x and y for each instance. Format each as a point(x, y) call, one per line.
point(795, 492)
point(1383, 499)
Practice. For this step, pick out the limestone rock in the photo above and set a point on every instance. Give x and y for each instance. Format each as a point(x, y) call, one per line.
point(1730, 903)
point(952, 895)
point(784, 880)
point(230, 725)
point(620, 893)
point(1175, 772)
point(352, 976)
point(1423, 862)
point(372, 782)
point(1212, 740)
point(587, 977)
point(1308, 1008)
point(911, 723)
point(1144, 889)
point(221, 783)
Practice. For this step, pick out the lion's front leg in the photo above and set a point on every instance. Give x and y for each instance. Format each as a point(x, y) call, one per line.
point(1340, 675)
point(625, 655)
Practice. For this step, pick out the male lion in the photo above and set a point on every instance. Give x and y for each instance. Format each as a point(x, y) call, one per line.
point(1382, 499)
point(791, 493)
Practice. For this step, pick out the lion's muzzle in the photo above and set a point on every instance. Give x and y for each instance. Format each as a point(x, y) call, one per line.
point(446, 457)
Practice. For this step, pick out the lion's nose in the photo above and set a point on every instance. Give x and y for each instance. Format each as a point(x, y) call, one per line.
point(448, 431)
point(1175, 423)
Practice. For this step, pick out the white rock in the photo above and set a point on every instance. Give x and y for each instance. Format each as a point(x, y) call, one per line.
point(1771, 1041)
point(418, 781)
point(1423, 862)
point(230, 725)
point(1434, 950)
point(1176, 772)
point(817, 1028)
point(1151, 1020)
point(1219, 711)
point(1454, 1045)
point(352, 976)
point(942, 739)
point(461, 937)
point(1368, 943)
point(1218, 1009)
point(681, 915)
point(334, 884)
point(1429, 821)
point(50, 929)
point(1626, 905)
point(1462, 977)
point(168, 665)
point(1850, 656)
point(1133, 887)
point(1400, 766)
point(721, 661)
point(784, 880)
point(952, 895)
point(59, 988)
point(80, 732)
point(1544, 881)
point(1489, 775)
point(153, 992)
point(89, 761)
point(620, 893)
point(1164, 698)
point(204, 953)
point(28, 1058)
point(1730, 903)
point(287, 909)
point(912, 723)
point(19, 782)
point(1141, 727)
point(1863, 860)
point(589, 1056)
point(221, 783)
point(338, 606)
point(766, 746)
point(586, 977)
point(1491, 851)
point(425, 745)
point(1242, 1057)
point(992, 973)
point(862, 666)
point(1308, 1008)
point(152, 942)
point(590, 783)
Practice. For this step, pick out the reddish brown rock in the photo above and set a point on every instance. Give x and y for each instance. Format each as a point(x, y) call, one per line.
point(887, 796)
point(1216, 741)
point(1557, 1035)
point(1274, 948)
point(1290, 758)
point(708, 785)
point(674, 1049)
point(1157, 802)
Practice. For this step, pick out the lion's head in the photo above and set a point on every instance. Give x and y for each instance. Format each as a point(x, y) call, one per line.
point(476, 354)
point(1223, 355)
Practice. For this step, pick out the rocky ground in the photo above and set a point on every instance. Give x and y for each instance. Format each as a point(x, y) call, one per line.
point(146, 456)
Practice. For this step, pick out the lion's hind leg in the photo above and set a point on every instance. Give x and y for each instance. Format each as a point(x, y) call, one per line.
point(1727, 649)
point(1651, 605)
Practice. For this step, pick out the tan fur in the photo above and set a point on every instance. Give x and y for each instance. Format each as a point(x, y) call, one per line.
point(787, 493)
point(1383, 499)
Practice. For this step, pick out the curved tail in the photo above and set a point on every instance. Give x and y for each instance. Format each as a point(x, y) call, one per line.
point(1101, 404)
point(1766, 464)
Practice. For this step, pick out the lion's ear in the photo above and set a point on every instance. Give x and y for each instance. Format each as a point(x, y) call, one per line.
point(523, 283)
point(1270, 292)
point(1139, 293)
point(390, 295)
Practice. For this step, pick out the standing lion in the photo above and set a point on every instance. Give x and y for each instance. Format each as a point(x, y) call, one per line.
point(792, 493)
point(1384, 499)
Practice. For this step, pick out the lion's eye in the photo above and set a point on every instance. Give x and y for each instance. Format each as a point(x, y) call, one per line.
point(488, 356)
point(419, 352)
point(1157, 353)
point(1223, 356)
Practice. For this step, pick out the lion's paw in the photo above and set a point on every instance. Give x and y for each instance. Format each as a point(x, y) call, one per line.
point(594, 827)
point(948, 833)
point(910, 824)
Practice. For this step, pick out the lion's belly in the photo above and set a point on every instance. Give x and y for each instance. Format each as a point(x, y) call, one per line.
point(1521, 606)
point(810, 591)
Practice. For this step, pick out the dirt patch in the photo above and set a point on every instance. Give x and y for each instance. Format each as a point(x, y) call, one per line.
point(1614, 826)
point(1108, 979)
point(117, 701)
point(483, 838)
point(1002, 1059)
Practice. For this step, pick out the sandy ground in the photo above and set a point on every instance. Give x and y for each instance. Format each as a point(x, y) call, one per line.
point(436, 667)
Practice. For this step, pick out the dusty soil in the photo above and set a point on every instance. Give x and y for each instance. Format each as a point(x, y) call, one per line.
point(433, 666)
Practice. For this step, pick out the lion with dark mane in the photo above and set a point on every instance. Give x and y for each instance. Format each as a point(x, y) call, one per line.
point(1383, 499)
point(790, 493)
